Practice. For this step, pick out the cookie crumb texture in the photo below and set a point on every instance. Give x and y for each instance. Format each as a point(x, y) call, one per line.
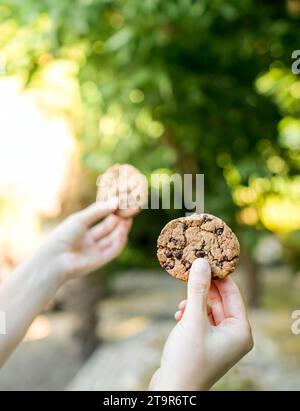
point(198, 236)
point(127, 184)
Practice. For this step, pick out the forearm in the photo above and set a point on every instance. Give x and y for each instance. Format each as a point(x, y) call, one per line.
point(23, 296)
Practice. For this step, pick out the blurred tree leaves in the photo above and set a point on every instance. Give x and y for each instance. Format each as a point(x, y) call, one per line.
point(194, 86)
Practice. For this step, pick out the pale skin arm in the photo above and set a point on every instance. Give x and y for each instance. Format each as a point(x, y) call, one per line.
point(81, 244)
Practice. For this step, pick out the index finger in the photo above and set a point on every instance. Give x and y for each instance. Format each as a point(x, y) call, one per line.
point(96, 211)
point(233, 303)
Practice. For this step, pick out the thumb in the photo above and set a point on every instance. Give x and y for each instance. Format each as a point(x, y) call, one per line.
point(198, 287)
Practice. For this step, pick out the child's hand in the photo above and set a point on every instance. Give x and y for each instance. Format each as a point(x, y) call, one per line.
point(82, 244)
point(212, 334)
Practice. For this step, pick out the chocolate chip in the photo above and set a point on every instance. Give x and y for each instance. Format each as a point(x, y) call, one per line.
point(219, 231)
point(218, 264)
point(187, 264)
point(174, 241)
point(206, 218)
point(200, 254)
point(178, 254)
point(169, 265)
point(168, 253)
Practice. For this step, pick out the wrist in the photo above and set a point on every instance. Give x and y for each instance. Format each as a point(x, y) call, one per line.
point(170, 380)
point(167, 380)
point(46, 270)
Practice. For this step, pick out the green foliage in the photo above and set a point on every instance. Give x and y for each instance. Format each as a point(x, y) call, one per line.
point(293, 249)
point(192, 86)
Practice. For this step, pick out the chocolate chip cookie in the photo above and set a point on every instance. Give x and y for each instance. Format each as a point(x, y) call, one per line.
point(127, 184)
point(198, 236)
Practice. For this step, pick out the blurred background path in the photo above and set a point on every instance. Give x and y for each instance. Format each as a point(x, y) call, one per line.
point(134, 320)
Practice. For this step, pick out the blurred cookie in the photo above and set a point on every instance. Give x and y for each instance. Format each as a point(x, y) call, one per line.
point(198, 236)
point(127, 184)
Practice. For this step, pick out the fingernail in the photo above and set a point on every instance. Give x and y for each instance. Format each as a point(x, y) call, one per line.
point(177, 315)
point(200, 265)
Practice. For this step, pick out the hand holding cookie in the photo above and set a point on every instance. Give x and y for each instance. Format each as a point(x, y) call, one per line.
point(87, 240)
point(213, 333)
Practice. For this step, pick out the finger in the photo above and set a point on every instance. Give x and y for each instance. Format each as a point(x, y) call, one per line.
point(216, 304)
point(96, 211)
point(112, 252)
point(208, 309)
point(178, 315)
point(111, 238)
point(104, 228)
point(118, 241)
point(233, 304)
point(211, 319)
point(210, 316)
point(127, 222)
point(198, 287)
point(182, 305)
